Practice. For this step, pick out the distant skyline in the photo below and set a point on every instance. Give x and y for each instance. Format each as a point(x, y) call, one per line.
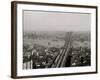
point(56, 21)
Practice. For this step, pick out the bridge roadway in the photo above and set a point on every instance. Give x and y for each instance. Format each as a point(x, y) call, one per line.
point(62, 58)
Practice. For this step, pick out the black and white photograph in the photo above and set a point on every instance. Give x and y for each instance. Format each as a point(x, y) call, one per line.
point(56, 39)
point(53, 39)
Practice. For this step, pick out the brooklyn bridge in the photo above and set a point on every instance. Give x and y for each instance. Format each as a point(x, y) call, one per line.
point(53, 57)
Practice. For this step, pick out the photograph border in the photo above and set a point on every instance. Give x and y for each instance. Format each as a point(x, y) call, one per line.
point(14, 37)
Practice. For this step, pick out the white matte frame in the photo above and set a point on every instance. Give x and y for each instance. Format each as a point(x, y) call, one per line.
point(50, 71)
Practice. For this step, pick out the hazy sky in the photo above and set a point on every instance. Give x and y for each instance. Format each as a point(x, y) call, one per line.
point(51, 21)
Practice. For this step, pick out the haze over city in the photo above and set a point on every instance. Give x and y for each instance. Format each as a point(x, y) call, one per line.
point(56, 21)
